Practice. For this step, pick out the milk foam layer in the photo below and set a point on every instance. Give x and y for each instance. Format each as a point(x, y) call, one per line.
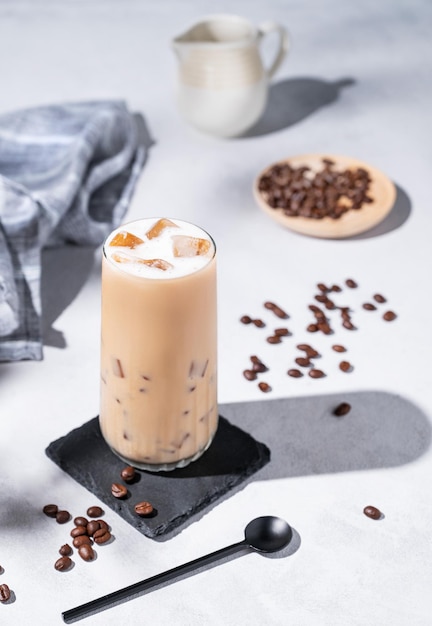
point(160, 247)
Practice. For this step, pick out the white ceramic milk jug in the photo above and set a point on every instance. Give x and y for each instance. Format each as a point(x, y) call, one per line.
point(223, 84)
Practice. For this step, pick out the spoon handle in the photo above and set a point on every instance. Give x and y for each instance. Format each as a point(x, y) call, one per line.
point(126, 593)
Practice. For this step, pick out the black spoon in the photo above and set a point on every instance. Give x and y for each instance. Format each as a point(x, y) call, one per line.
point(263, 534)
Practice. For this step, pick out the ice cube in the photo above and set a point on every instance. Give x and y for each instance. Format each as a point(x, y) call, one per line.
point(117, 367)
point(125, 239)
point(123, 257)
point(159, 227)
point(185, 246)
point(197, 368)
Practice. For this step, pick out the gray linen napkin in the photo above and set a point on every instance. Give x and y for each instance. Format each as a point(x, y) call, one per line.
point(67, 173)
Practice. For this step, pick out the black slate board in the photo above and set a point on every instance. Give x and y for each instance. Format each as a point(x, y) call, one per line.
point(177, 495)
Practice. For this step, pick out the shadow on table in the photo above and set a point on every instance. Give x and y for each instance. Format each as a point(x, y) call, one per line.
point(395, 219)
point(65, 269)
point(292, 100)
point(382, 430)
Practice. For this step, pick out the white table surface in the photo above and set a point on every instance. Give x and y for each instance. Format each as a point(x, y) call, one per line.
point(348, 570)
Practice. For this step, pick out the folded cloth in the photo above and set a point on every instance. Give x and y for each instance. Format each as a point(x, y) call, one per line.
point(67, 173)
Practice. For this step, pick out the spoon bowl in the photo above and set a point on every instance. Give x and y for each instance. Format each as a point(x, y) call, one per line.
point(268, 534)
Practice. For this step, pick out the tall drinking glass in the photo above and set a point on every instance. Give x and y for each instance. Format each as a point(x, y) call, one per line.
point(158, 406)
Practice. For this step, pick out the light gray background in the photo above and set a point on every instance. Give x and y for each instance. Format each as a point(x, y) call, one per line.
point(356, 82)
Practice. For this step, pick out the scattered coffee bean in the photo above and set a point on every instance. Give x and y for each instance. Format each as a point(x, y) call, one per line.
point(119, 491)
point(342, 409)
point(50, 510)
point(78, 530)
point(294, 373)
point(324, 327)
point(276, 310)
point(265, 387)
point(93, 527)
point(303, 361)
point(128, 474)
point(94, 511)
point(351, 283)
point(282, 332)
point(345, 366)
point(312, 328)
point(63, 563)
point(62, 517)
point(101, 536)
point(348, 325)
point(372, 512)
point(314, 373)
point(80, 521)
point(274, 339)
point(65, 550)
point(335, 288)
point(329, 304)
point(81, 540)
point(321, 297)
point(258, 323)
point(258, 365)
point(246, 319)
point(379, 298)
point(338, 348)
point(389, 316)
point(369, 306)
point(103, 524)
point(5, 593)
point(86, 552)
point(143, 509)
point(312, 354)
point(322, 287)
point(304, 347)
point(249, 375)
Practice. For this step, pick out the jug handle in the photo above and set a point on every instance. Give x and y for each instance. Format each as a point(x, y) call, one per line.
point(269, 27)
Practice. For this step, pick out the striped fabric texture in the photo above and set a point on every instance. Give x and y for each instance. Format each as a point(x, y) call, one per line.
point(67, 174)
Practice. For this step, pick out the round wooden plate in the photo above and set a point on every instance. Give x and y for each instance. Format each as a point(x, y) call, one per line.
point(354, 221)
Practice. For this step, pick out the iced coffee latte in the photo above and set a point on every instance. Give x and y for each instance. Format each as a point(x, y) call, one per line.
point(158, 355)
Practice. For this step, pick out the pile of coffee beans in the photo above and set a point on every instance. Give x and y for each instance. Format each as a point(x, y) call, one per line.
point(325, 321)
point(85, 533)
point(298, 191)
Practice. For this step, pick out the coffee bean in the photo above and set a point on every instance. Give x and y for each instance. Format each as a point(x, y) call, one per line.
point(348, 325)
point(80, 521)
point(274, 339)
point(303, 361)
point(246, 319)
point(128, 474)
point(63, 563)
point(312, 354)
point(258, 323)
point(81, 540)
point(50, 510)
point(314, 373)
point(329, 304)
point(265, 387)
point(258, 365)
point(65, 550)
point(86, 552)
point(304, 346)
point(5, 593)
point(249, 374)
point(93, 527)
point(379, 298)
point(103, 524)
point(321, 298)
point(294, 373)
point(143, 509)
point(62, 517)
point(322, 287)
point(372, 512)
point(102, 536)
point(345, 366)
point(94, 511)
point(324, 328)
point(342, 409)
point(119, 491)
point(78, 530)
point(312, 328)
point(276, 309)
point(351, 283)
point(338, 348)
point(369, 306)
point(282, 332)
point(335, 288)
point(389, 316)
